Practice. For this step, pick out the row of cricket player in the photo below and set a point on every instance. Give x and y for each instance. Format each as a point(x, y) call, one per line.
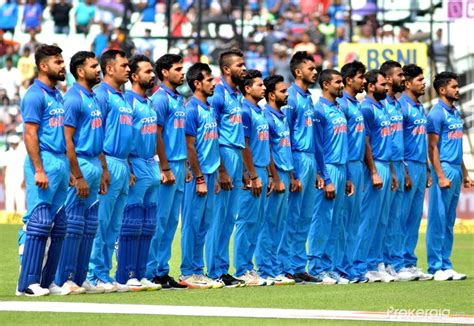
point(327, 192)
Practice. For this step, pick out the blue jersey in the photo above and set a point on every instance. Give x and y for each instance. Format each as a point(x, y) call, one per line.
point(118, 121)
point(171, 116)
point(227, 103)
point(394, 112)
point(201, 123)
point(446, 122)
point(355, 126)
point(84, 115)
point(414, 129)
point(144, 126)
point(280, 143)
point(299, 113)
point(256, 130)
point(44, 106)
point(378, 129)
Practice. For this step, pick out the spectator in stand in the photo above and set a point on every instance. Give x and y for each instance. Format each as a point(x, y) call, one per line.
point(33, 42)
point(26, 65)
point(100, 41)
point(367, 34)
point(4, 44)
point(280, 63)
point(32, 16)
point(85, 13)
point(146, 43)
point(9, 16)
point(10, 79)
point(13, 177)
point(11, 52)
point(334, 46)
point(60, 12)
point(271, 38)
point(404, 34)
point(327, 28)
point(336, 13)
point(149, 11)
point(440, 52)
point(305, 44)
point(387, 37)
point(178, 18)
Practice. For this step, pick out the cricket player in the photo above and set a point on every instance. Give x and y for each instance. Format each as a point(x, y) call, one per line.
point(84, 132)
point(327, 234)
point(418, 177)
point(226, 101)
point(353, 80)
point(267, 257)
point(378, 177)
point(46, 175)
point(394, 235)
point(445, 132)
point(256, 157)
point(299, 113)
point(139, 217)
point(13, 177)
point(171, 150)
point(118, 118)
point(203, 155)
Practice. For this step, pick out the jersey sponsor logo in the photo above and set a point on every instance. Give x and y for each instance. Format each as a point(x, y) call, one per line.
point(284, 142)
point(397, 127)
point(58, 111)
point(149, 129)
point(338, 121)
point(457, 134)
point(455, 126)
point(56, 119)
point(123, 109)
point(211, 135)
point(95, 113)
point(263, 135)
point(210, 125)
point(420, 127)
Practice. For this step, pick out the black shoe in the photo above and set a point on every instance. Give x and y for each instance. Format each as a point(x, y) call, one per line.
point(298, 280)
point(230, 281)
point(307, 278)
point(167, 282)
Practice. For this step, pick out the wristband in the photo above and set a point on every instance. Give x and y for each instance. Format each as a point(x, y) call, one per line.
point(201, 177)
point(79, 177)
point(254, 178)
point(200, 181)
point(166, 170)
point(270, 175)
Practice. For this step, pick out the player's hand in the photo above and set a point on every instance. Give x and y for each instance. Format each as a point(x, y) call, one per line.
point(189, 177)
point(295, 185)
point(104, 182)
point(394, 184)
point(82, 188)
point(201, 189)
point(429, 180)
point(167, 177)
point(270, 186)
point(468, 182)
point(319, 182)
point(279, 187)
point(41, 180)
point(72, 180)
point(217, 188)
point(132, 180)
point(225, 181)
point(350, 189)
point(256, 186)
point(330, 191)
point(408, 182)
point(377, 181)
point(23, 184)
point(444, 183)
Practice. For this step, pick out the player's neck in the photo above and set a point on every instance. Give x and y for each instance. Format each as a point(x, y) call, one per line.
point(251, 100)
point(139, 90)
point(446, 101)
point(412, 96)
point(47, 81)
point(228, 80)
point(169, 85)
point(85, 84)
point(301, 84)
point(372, 97)
point(329, 97)
point(391, 93)
point(274, 106)
point(200, 96)
point(113, 83)
point(350, 91)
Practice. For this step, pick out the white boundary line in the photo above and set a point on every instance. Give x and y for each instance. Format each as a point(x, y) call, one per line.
point(204, 311)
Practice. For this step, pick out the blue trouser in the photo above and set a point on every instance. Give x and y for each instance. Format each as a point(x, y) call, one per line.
point(412, 212)
point(139, 221)
point(441, 217)
point(325, 251)
point(374, 222)
point(249, 225)
point(227, 208)
point(301, 206)
point(170, 197)
point(198, 214)
point(267, 255)
point(352, 216)
point(111, 206)
point(76, 214)
point(394, 235)
point(44, 218)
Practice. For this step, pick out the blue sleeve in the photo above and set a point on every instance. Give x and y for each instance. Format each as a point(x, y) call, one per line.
point(102, 100)
point(72, 108)
point(217, 101)
point(247, 121)
point(348, 173)
point(318, 128)
point(191, 125)
point(435, 122)
point(160, 104)
point(271, 125)
point(32, 107)
point(369, 117)
point(404, 110)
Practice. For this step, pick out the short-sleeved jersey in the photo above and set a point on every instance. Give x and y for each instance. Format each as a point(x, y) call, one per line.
point(256, 130)
point(378, 129)
point(446, 122)
point(44, 106)
point(144, 126)
point(414, 129)
point(202, 125)
point(355, 126)
point(394, 112)
point(226, 101)
point(280, 142)
point(171, 116)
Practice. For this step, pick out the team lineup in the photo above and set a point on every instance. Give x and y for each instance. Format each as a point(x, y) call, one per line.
point(330, 192)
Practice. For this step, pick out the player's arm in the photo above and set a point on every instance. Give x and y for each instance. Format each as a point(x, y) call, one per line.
point(466, 179)
point(80, 183)
point(160, 105)
point(255, 181)
point(394, 184)
point(201, 187)
point(369, 161)
point(274, 178)
point(32, 147)
point(105, 178)
point(318, 125)
point(433, 140)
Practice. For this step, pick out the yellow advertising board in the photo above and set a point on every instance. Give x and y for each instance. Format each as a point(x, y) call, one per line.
point(374, 54)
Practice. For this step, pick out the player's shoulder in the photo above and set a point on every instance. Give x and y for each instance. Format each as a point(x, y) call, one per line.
point(436, 112)
point(34, 94)
point(159, 96)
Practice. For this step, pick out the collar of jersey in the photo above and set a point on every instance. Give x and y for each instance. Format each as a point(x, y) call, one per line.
point(325, 101)
point(83, 89)
point(136, 95)
point(170, 91)
point(378, 105)
point(300, 90)
point(407, 98)
point(45, 87)
point(200, 103)
point(228, 88)
point(390, 99)
point(256, 108)
point(347, 96)
point(278, 114)
point(445, 106)
point(111, 89)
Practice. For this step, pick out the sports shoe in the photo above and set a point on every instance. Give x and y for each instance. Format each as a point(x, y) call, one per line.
point(149, 285)
point(215, 284)
point(92, 289)
point(324, 278)
point(121, 288)
point(441, 275)
point(455, 275)
point(54, 289)
point(33, 290)
point(108, 287)
point(250, 279)
point(134, 285)
point(419, 274)
point(363, 279)
point(373, 276)
point(405, 275)
point(281, 280)
point(167, 282)
point(391, 271)
point(307, 278)
point(296, 279)
point(195, 282)
point(338, 278)
point(73, 287)
point(230, 281)
point(383, 274)
point(261, 279)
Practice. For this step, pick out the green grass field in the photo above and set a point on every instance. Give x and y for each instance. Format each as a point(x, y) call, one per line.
point(456, 296)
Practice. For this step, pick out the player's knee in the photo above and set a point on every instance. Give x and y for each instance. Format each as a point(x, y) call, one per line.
point(60, 224)
point(149, 224)
point(92, 219)
point(75, 217)
point(40, 221)
point(132, 220)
